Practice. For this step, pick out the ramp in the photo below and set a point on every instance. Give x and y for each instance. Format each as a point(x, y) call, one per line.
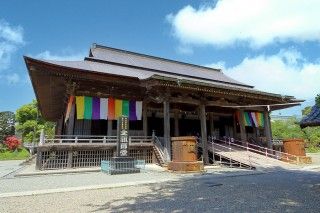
point(252, 157)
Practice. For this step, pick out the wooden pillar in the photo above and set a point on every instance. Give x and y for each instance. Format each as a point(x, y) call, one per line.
point(166, 129)
point(242, 126)
point(145, 119)
point(234, 126)
point(71, 120)
point(203, 122)
point(176, 123)
point(109, 128)
point(267, 128)
point(211, 124)
point(59, 126)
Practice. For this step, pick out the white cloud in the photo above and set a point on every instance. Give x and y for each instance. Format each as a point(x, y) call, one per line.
point(13, 78)
point(183, 49)
point(257, 23)
point(11, 38)
point(9, 33)
point(286, 73)
point(65, 56)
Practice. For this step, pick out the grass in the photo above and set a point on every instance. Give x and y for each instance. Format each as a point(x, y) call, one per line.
point(313, 149)
point(16, 155)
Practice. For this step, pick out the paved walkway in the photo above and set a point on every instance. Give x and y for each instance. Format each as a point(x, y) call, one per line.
point(282, 191)
point(9, 166)
point(63, 182)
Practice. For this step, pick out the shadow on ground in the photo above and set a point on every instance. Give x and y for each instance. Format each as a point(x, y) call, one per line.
point(274, 191)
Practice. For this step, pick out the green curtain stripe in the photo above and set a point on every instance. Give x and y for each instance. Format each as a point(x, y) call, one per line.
point(247, 119)
point(87, 107)
point(125, 107)
point(262, 119)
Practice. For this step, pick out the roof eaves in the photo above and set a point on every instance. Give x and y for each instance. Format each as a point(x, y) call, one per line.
point(249, 90)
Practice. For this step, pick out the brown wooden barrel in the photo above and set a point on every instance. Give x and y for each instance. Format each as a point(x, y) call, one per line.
point(184, 149)
point(294, 146)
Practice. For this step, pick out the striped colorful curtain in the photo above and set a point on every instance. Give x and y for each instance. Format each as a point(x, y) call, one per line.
point(80, 106)
point(260, 119)
point(105, 108)
point(111, 111)
point(118, 108)
point(139, 110)
point(247, 119)
point(87, 108)
point(125, 108)
point(132, 111)
point(254, 119)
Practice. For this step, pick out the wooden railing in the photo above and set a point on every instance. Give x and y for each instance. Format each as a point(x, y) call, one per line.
point(92, 139)
point(260, 150)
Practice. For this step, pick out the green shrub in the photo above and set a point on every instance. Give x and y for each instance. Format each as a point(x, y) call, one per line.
point(19, 154)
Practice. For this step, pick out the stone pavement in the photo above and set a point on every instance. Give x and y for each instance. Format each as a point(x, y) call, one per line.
point(281, 191)
point(52, 183)
point(21, 181)
point(9, 166)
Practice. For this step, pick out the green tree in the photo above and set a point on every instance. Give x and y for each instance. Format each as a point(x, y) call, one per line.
point(306, 111)
point(30, 123)
point(312, 134)
point(6, 124)
point(285, 129)
point(318, 100)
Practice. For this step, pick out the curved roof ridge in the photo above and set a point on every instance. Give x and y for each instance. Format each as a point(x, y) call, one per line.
point(94, 45)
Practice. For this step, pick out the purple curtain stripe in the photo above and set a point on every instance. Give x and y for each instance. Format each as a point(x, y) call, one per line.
point(132, 110)
point(95, 108)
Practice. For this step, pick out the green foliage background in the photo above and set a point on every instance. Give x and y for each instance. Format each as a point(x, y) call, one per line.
point(7, 122)
point(30, 123)
point(285, 129)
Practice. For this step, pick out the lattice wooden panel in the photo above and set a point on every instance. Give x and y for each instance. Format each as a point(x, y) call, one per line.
point(54, 159)
point(141, 154)
point(90, 158)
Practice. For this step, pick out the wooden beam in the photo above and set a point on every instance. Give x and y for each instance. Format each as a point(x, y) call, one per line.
point(166, 129)
point(145, 118)
point(211, 124)
point(176, 123)
point(203, 121)
point(267, 128)
point(242, 126)
point(109, 133)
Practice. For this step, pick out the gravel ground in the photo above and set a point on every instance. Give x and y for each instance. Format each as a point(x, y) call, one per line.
point(282, 191)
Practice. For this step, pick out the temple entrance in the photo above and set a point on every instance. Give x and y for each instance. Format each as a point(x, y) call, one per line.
point(189, 127)
point(223, 126)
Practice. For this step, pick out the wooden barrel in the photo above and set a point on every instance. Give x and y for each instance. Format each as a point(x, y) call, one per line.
point(184, 149)
point(294, 146)
point(184, 155)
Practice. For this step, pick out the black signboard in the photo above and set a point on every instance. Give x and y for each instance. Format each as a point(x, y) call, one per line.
point(123, 136)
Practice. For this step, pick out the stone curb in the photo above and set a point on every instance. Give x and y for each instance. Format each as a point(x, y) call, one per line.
point(81, 188)
point(55, 172)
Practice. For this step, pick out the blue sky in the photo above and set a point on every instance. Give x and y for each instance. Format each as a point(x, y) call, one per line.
point(269, 44)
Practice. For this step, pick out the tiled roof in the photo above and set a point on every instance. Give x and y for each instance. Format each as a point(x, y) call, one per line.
point(159, 65)
point(141, 74)
point(312, 119)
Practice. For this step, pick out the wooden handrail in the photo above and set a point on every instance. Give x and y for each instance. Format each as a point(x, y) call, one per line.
point(95, 139)
point(265, 152)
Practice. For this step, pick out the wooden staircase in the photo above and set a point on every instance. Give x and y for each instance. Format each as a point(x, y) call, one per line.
point(160, 160)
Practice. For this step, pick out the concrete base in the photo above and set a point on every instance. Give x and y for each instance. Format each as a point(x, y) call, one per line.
point(122, 165)
point(194, 166)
